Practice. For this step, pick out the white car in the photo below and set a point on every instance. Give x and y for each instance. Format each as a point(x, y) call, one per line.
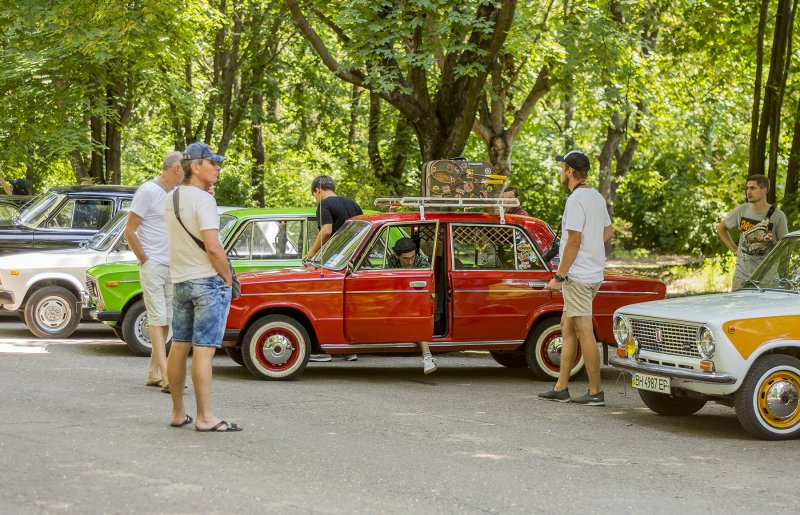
point(45, 287)
point(740, 349)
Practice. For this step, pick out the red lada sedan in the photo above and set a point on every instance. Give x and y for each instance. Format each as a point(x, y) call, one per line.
point(480, 286)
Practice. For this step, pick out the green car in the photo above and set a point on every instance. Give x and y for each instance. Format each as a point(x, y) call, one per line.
point(255, 239)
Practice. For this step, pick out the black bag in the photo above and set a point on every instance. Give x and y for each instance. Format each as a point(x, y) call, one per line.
point(236, 285)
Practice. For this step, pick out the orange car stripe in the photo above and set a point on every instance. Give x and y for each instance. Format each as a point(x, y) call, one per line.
point(749, 334)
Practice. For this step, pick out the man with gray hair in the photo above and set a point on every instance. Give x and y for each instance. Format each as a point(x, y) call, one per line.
point(146, 233)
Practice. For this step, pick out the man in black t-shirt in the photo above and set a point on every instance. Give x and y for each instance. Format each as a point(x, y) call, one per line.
point(332, 211)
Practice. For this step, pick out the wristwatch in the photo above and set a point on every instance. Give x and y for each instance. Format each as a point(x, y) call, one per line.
point(560, 278)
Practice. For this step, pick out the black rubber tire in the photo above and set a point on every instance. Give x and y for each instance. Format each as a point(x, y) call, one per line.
point(757, 416)
point(542, 344)
point(289, 351)
point(52, 312)
point(235, 353)
point(135, 330)
point(671, 406)
point(510, 358)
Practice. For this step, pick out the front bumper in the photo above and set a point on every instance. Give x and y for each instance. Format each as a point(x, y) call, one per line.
point(6, 297)
point(677, 373)
point(107, 316)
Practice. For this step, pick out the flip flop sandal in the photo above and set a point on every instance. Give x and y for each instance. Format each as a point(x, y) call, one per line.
point(229, 428)
point(187, 420)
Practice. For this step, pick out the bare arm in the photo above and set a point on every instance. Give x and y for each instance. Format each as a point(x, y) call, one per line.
point(725, 236)
point(608, 233)
point(324, 235)
point(571, 249)
point(132, 225)
point(216, 254)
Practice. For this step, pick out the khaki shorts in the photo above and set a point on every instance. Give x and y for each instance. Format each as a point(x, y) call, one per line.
point(578, 298)
point(157, 292)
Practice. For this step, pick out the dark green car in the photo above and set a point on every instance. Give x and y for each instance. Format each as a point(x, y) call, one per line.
point(255, 239)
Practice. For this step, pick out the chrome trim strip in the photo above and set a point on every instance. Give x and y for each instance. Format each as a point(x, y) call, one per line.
point(390, 291)
point(292, 293)
point(678, 373)
point(628, 292)
point(432, 344)
point(522, 289)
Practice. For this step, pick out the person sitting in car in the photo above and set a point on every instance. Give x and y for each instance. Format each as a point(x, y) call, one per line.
point(406, 256)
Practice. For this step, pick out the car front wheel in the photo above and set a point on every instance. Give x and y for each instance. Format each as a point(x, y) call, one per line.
point(52, 312)
point(767, 402)
point(235, 353)
point(543, 350)
point(276, 347)
point(669, 405)
point(136, 330)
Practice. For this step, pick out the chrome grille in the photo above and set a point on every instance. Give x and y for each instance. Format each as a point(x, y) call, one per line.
point(91, 287)
point(666, 337)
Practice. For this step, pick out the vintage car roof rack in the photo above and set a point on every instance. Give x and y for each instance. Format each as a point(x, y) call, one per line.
point(423, 203)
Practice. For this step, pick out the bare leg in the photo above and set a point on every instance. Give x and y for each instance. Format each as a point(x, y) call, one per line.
point(158, 356)
point(176, 374)
point(569, 350)
point(591, 355)
point(201, 379)
point(425, 348)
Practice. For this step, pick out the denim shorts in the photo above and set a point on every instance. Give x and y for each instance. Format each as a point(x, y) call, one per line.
point(200, 309)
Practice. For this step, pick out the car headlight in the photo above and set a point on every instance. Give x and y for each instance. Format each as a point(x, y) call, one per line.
point(622, 331)
point(705, 343)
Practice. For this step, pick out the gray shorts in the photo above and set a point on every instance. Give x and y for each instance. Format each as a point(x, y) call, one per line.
point(157, 292)
point(201, 310)
point(578, 298)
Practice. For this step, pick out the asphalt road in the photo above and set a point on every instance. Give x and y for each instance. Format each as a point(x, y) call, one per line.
point(81, 433)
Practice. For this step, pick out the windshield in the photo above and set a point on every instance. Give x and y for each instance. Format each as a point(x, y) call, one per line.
point(226, 225)
point(40, 208)
point(339, 249)
point(109, 232)
point(780, 270)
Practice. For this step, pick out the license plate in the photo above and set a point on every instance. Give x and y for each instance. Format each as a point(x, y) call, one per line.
point(652, 383)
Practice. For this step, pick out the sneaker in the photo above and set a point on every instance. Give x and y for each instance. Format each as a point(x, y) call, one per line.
point(587, 399)
point(428, 364)
point(553, 395)
point(320, 358)
point(350, 357)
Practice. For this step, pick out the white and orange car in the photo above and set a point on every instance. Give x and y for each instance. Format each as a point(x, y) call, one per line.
point(740, 349)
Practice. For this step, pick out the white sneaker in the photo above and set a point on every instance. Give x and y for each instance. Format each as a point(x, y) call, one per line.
point(320, 358)
point(428, 364)
point(350, 357)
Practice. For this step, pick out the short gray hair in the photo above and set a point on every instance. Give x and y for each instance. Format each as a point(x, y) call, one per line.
point(171, 160)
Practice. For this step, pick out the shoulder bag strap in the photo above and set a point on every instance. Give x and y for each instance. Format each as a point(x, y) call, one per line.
point(178, 216)
point(769, 213)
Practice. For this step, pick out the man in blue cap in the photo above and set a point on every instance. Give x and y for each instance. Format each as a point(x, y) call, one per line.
point(202, 283)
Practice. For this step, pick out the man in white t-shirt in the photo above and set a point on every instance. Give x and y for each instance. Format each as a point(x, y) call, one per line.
point(202, 280)
point(146, 233)
point(585, 227)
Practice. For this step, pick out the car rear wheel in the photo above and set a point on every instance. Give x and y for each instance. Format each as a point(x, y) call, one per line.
point(767, 402)
point(276, 347)
point(235, 353)
point(671, 406)
point(136, 330)
point(543, 351)
point(510, 358)
point(52, 312)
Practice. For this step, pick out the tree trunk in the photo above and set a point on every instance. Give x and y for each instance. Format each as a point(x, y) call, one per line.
point(373, 132)
point(754, 116)
point(352, 134)
point(257, 149)
point(610, 149)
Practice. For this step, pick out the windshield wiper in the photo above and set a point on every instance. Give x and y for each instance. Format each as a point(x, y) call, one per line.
point(792, 284)
point(754, 283)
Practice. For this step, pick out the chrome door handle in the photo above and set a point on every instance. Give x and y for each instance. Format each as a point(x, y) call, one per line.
point(418, 284)
point(537, 284)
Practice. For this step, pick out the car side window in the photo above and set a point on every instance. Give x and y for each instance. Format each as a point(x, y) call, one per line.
point(83, 214)
point(311, 232)
point(380, 255)
point(125, 203)
point(269, 239)
point(487, 247)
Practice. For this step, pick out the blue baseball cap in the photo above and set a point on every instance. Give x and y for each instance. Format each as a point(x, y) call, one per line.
point(199, 150)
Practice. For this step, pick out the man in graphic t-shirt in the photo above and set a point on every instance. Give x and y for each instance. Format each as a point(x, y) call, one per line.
point(761, 226)
point(332, 212)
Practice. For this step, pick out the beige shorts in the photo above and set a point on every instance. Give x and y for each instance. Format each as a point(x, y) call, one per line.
point(157, 292)
point(578, 298)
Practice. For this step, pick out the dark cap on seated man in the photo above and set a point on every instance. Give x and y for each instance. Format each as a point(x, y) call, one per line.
point(576, 160)
point(200, 150)
point(404, 245)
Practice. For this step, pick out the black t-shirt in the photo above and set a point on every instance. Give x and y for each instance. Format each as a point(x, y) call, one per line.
point(335, 211)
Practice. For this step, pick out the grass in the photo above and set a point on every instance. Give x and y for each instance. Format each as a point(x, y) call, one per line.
point(684, 275)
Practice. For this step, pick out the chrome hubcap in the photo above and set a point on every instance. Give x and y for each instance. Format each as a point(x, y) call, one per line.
point(53, 313)
point(554, 350)
point(143, 330)
point(782, 399)
point(277, 349)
